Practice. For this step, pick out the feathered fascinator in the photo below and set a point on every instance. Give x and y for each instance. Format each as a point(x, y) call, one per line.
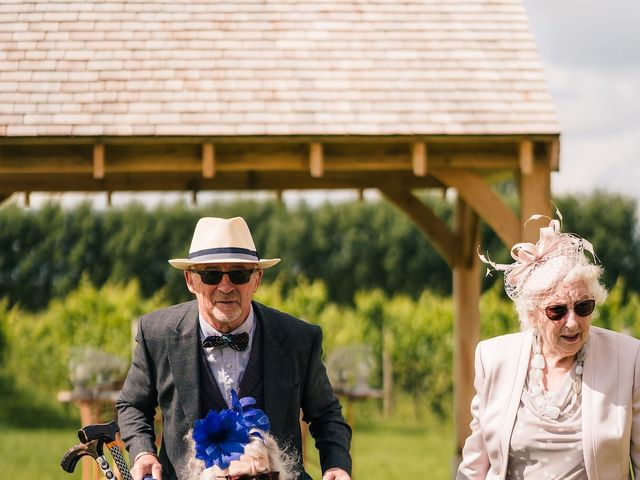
point(539, 267)
point(220, 437)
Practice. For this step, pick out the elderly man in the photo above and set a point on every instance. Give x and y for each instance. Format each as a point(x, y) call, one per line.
point(189, 357)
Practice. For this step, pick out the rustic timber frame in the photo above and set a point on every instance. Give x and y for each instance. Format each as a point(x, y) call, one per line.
point(396, 166)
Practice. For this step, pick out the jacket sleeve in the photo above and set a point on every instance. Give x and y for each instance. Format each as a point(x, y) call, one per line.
point(635, 425)
point(475, 460)
point(137, 401)
point(322, 410)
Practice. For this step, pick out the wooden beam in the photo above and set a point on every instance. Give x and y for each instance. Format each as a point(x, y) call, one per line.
point(535, 197)
point(554, 154)
point(525, 157)
point(208, 160)
point(426, 220)
point(467, 230)
point(186, 181)
point(273, 139)
point(419, 159)
point(466, 298)
point(491, 208)
point(316, 160)
point(98, 160)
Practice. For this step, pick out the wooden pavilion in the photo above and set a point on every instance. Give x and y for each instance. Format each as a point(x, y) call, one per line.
point(394, 95)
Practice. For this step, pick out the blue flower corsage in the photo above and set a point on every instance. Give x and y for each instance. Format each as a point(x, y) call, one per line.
point(220, 437)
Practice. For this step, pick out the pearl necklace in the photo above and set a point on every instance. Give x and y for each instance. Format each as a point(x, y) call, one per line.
point(542, 398)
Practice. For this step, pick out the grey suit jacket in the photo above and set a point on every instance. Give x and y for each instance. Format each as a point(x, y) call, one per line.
point(165, 373)
point(610, 405)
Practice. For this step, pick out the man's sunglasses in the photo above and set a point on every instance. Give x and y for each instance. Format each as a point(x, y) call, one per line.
point(214, 277)
point(558, 312)
point(259, 476)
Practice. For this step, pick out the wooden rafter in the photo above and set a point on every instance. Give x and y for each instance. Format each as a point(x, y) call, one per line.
point(477, 193)
point(208, 160)
point(98, 161)
point(435, 229)
point(419, 159)
point(316, 160)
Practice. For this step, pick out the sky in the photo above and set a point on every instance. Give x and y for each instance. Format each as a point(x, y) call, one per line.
point(590, 51)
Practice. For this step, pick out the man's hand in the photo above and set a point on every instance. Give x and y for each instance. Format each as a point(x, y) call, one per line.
point(146, 464)
point(336, 474)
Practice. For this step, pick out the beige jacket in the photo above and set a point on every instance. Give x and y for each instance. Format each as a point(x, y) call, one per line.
point(610, 405)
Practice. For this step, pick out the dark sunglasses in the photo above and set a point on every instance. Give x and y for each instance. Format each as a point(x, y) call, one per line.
point(214, 277)
point(558, 312)
point(259, 476)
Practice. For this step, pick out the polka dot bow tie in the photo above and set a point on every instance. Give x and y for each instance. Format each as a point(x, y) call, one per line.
point(237, 342)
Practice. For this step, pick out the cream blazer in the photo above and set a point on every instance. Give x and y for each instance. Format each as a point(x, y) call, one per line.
point(610, 405)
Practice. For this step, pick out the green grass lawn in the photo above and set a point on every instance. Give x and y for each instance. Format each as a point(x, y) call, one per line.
point(397, 448)
point(383, 449)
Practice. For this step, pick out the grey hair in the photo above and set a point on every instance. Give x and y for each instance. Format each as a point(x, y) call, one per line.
point(588, 273)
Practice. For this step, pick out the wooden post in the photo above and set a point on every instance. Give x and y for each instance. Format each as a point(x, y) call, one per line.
point(88, 416)
point(387, 374)
point(535, 190)
point(466, 297)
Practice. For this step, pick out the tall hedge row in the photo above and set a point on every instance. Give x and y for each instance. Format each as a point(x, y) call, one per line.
point(349, 246)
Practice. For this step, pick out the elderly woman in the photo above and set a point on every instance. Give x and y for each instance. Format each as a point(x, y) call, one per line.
point(560, 399)
point(235, 444)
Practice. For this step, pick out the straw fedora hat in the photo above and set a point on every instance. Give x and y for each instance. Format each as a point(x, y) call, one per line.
point(222, 240)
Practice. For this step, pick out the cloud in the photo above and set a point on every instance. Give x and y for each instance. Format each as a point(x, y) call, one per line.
point(596, 102)
point(586, 32)
point(590, 51)
point(607, 162)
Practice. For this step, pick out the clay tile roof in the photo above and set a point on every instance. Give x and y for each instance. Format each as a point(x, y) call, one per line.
point(270, 67)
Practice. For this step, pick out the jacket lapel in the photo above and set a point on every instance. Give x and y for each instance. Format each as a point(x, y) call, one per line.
point(279, 374)
point(183, 353)
point(519, 374)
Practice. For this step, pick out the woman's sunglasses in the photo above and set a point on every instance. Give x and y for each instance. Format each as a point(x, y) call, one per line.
point(214, 277)
point(558, 312)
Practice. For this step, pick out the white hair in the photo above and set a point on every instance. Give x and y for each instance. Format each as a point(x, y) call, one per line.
point(547, 284)
point(280, 460)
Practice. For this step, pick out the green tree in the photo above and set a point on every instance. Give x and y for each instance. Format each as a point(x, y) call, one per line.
point(610, 223)
point(350, 246)
point(41, 344)
point(422, 345)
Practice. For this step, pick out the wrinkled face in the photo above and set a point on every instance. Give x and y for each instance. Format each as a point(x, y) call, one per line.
point(225, 305)
point(564, 337)
point(251, 463)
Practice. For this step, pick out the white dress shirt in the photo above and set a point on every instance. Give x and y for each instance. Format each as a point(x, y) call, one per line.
point(226, 364)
